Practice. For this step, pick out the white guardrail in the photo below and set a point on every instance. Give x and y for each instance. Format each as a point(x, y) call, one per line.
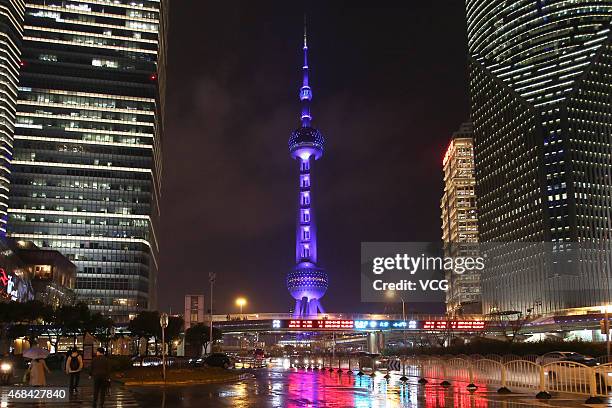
point(507, 373)
point(560, 376)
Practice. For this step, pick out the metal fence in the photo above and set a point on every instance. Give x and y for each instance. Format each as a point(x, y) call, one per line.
point(510, 372)
point(507, 373)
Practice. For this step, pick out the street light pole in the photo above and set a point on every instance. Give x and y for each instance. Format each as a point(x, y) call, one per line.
point(211, 278)
point(391, 295)
point(404, 320)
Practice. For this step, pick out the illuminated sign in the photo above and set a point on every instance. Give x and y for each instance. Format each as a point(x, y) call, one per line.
point(361, 324)
point(319, 324)
point(7, 282)
point(454, 325)
point(336, 324)
point(13, 287)
point(468, 325)
point(328, 324)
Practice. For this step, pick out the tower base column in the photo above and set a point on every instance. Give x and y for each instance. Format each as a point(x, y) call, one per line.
point(297, 312)
point(307, 308)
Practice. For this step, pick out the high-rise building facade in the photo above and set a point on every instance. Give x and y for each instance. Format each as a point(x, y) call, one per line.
point(11, 32)
point(541, 84)
point(306, 282)
point(460, 221)
point(87, 153)
point(194, 310)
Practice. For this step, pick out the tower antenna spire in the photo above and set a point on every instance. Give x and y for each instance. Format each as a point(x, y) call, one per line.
point(305, 90)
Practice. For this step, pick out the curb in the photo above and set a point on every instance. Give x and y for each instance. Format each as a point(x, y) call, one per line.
point(187, 382)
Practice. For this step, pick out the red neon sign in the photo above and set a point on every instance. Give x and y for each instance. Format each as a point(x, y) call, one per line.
point(4, 278)
point(454, 325)
point(320, 324)
point(335, 324)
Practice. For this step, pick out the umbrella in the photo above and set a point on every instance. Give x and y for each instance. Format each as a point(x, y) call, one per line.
point(36, 352)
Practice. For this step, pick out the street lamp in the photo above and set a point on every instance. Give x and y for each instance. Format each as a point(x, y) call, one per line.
point(391, 294)
point(241, 302)
point(212, 276)
point(163, 322)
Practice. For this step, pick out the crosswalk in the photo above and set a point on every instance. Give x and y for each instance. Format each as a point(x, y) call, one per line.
point(119, 397)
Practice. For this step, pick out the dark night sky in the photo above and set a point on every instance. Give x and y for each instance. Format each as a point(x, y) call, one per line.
point(390, 86)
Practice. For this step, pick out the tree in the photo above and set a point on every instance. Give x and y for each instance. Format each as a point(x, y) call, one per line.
point(146, 324)
point(28, 319)
point(67, 321)
point(101, 327)
point(173, 331)
point(8, 313)
point(54, 330)
point(199, 337)
point(36, 312)
point(73, 319)
point(509, 322)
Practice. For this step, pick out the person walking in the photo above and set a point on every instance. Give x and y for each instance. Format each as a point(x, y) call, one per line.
point(37, 370)
point(100, 371)
point(74, 366)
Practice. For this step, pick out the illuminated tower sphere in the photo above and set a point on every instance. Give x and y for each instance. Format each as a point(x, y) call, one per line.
point(306, 282)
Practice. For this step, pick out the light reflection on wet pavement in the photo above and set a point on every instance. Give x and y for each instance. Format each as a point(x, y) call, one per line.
point(302, 388)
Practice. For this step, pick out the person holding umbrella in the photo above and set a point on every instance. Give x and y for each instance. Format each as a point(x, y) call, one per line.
point(38, 367)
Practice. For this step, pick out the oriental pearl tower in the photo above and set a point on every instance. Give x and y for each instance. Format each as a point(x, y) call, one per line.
point(306, 282)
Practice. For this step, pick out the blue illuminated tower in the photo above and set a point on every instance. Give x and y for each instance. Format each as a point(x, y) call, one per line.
point(306, 282)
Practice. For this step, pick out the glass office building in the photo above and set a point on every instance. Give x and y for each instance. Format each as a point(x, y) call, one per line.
point(460, 221)
point(87, 151)
point(541, 84)
point(11, 31)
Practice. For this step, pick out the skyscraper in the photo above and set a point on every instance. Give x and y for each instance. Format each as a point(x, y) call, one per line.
point(540, 80)
point(194, 310)
point(460, 221)
point(87, 161)
point(307, 282)
point(11, 32)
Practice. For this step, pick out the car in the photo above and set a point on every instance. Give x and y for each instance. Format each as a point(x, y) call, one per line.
point(566, 356)
point(196, 362)
point(146, 361)
point(218, 360)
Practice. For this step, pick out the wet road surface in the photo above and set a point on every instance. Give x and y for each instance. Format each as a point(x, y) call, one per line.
point(291, 388)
